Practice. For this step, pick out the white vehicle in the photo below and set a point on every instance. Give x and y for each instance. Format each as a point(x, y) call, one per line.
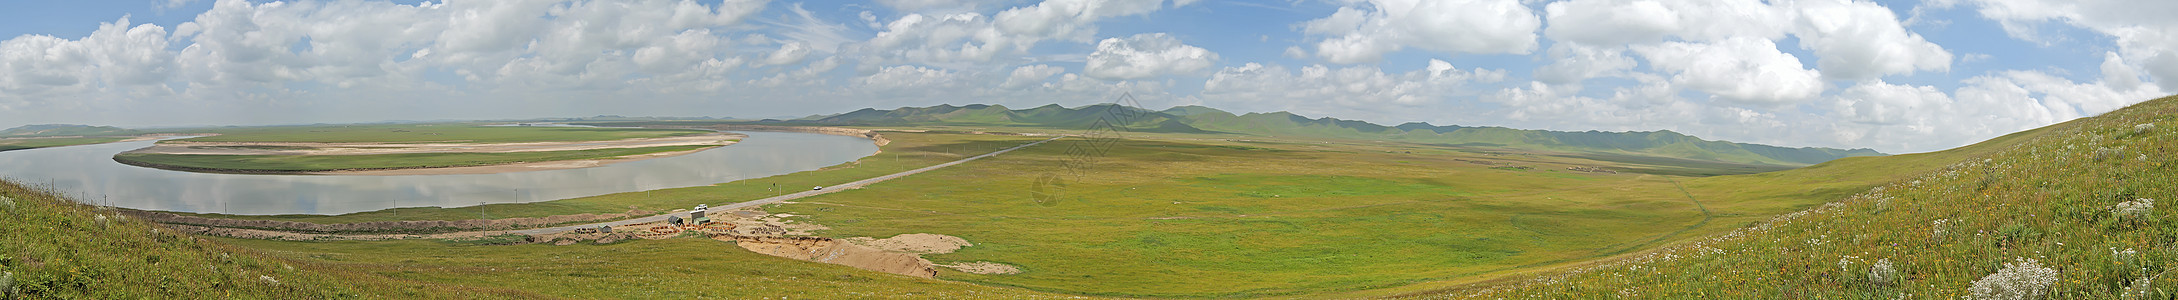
point(818, 188)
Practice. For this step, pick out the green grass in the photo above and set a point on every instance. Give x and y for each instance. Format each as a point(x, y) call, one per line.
point(677, 268)
point(427, 133)
point(1183, 216)
point(34, 143)
point(320, 163)
point(2047, 194)
point(57, 249)
point(54, 248)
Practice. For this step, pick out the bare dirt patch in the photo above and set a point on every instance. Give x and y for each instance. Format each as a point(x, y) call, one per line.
point(984, 267)
point(918, 243)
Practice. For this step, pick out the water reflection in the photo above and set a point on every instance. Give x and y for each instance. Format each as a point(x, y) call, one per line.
point(89, 173)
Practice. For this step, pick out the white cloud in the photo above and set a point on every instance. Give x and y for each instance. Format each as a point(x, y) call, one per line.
point(938, 6)
point(1748, 70)
point(2143, 30)
point(896, 80)
point(791, 52)
point(1364, 33)
point(116, 55)
point(1861, 40)
point(957, 39)
point(1604, 22)
point(1349, 92)
point(1575, 62)
point(1144, 56)
point(1030, 75)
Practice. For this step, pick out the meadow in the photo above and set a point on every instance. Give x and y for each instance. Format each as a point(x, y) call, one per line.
point(2075, 210)
point(324, 163)
point(1193, 215)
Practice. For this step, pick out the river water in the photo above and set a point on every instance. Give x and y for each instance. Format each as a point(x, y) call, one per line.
point(89, 174)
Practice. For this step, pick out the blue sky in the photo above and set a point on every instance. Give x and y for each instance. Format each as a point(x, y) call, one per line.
point(1896, 76)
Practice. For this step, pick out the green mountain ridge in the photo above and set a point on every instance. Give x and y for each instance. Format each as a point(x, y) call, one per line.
point(1200, 119)
point(64, 130)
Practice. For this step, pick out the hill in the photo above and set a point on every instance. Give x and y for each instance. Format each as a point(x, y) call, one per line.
point(63, 130)
point(2074, 210)
point(1199, 119)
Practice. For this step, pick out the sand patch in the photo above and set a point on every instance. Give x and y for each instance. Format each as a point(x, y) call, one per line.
point(984, 267)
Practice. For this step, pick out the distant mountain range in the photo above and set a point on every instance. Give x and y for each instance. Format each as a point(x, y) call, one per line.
point(1198, 119)
point(64, 130)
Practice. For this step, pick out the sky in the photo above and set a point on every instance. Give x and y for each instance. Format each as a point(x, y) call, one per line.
point(1895, 76)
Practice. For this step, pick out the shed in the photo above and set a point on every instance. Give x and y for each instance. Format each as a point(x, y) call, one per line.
point(605, 229)
point(675, 220)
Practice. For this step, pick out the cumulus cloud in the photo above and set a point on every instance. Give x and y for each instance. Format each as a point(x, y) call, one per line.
point(1748, 70)
point(2143, 30)
point(1030, 75)
point(789, 53)
point(1365, 31)
point(1350, 92)
point(1860, 40)
point(959, 38)
point(1145, 55)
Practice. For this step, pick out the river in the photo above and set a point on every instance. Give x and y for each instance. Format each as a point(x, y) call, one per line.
point(89, 174)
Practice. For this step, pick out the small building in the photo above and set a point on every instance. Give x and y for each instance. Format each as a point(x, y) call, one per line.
point(675, 220)
point(605, 229)
point(699, 212)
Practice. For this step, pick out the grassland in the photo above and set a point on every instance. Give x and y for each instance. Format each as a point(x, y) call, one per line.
point(34, 143)
point(2058, 195)
point(58, 249)
point(1187, 215)
point(427, 133)
point(325, 163)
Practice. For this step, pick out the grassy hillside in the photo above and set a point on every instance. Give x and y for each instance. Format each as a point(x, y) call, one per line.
point(57, 249)
point(2074, 210)
point(54, 248)
point(1198, 119)
point(428, 133)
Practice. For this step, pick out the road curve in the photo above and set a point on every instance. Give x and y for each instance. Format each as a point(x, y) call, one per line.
point(780, 198)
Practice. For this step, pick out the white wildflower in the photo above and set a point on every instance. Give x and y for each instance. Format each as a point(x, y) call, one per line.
point(1882, 274)
point(2143, 128)
point(2141, 288)
point(2136, 209)
point(2024, 279)
point(268, 279)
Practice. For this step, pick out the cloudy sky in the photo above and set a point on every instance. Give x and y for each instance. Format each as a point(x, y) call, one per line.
point(1896, 76)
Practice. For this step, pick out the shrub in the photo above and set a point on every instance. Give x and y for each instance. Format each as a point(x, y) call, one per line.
point(2024, 279)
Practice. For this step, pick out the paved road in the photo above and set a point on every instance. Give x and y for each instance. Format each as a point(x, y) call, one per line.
point(760, 202)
